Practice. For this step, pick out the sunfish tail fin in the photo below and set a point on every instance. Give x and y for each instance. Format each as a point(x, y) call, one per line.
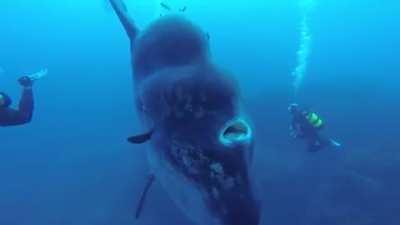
point(126, 20)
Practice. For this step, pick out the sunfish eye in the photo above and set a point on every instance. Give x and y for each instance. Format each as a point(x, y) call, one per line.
point(234, 132)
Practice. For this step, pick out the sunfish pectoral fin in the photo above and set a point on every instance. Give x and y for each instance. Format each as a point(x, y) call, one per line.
point(142, 199)
point(141, 138)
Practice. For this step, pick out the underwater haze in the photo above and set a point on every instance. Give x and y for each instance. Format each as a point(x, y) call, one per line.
point(72, 164)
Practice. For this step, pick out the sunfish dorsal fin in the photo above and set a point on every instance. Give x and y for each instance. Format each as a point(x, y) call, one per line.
point(141, 138)
point(142, 199)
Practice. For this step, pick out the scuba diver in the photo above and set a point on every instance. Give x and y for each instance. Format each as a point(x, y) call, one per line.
point(306, 125)
point(22, 115)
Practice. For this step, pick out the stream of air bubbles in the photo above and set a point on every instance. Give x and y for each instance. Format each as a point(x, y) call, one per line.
point(304, 51)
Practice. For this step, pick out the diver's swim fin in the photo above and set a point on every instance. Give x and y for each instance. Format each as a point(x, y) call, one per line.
point(335, 143)
point(141, 138)
point(142, 199)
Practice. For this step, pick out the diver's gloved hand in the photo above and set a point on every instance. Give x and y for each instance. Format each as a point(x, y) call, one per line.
point(28, 80)
point(25, 82)
point(38, 75)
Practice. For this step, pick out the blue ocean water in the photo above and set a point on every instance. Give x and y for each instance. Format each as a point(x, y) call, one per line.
point(72, 165)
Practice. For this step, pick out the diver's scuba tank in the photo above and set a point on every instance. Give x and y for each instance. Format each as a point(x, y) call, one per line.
point(314, 120)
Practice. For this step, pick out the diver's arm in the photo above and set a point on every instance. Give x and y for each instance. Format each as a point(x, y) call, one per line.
point(295, 129)
point(12, 117)
point(292, 126)
point(123, 15)
point(26, 105)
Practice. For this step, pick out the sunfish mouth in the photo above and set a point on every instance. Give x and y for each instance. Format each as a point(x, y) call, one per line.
point(237, 131)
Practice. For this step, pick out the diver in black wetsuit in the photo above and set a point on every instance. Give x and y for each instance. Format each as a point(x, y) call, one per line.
point(22, 115)
point(306, 125)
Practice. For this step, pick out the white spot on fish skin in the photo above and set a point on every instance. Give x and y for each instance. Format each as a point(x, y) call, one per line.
point(188, 157)
point(217, 172)
point(217, 168)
